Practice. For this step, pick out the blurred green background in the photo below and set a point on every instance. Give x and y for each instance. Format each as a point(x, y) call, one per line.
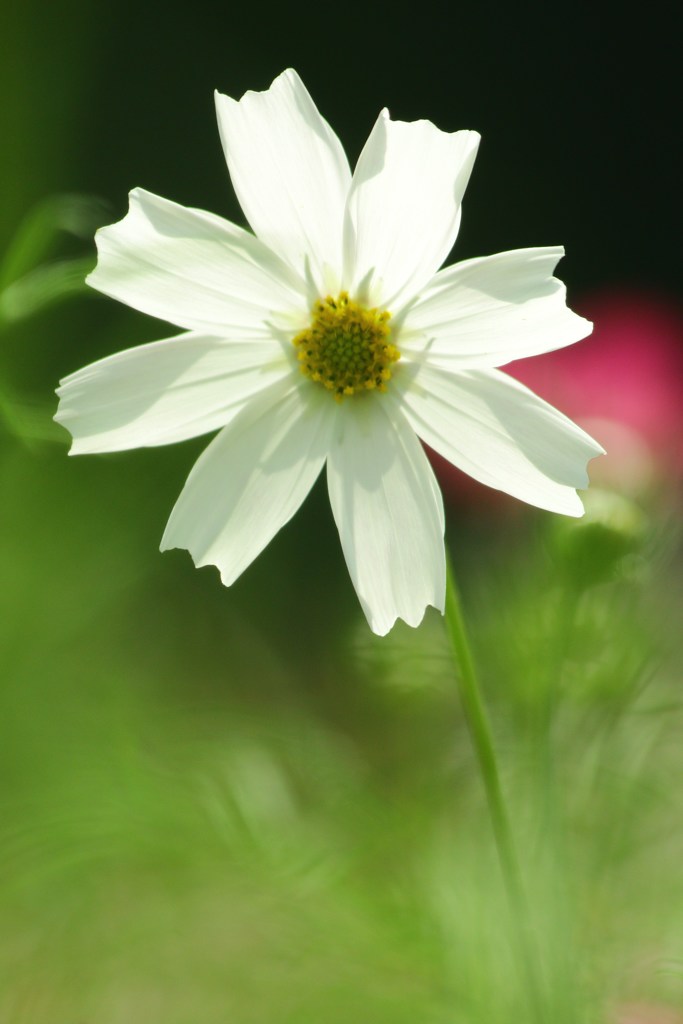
point(238, 805)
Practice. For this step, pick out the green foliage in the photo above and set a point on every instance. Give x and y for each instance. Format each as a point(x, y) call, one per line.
point(40, 231)
point(43, 286)
point(203, 820)
point(29, 286)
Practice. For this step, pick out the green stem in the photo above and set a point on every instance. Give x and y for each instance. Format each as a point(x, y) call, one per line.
point(482, 740)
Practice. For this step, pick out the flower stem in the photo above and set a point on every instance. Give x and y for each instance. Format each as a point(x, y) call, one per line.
point(482, 740)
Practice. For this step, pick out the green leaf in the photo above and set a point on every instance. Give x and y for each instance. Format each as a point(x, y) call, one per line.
point(43, 287)
point(71, 214)
point(29, 422)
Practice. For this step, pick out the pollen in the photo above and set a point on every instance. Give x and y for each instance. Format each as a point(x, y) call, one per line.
point(347, 348)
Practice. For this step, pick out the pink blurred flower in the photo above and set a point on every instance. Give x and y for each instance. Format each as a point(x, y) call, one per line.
point(624, 385)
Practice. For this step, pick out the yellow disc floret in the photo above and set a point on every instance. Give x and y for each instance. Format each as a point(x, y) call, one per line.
point(347, 347)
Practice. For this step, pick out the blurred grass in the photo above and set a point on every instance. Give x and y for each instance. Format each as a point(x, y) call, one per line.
point(240, 805)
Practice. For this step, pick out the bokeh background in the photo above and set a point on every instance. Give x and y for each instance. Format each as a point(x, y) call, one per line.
point(239, 806)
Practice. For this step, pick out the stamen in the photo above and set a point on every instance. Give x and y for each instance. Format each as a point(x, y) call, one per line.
point(347, 347)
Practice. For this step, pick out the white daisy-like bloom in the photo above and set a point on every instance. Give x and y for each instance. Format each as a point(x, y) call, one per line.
point(329, 337)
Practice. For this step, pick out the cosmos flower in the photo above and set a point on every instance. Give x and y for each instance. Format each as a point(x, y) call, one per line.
point(329, 337)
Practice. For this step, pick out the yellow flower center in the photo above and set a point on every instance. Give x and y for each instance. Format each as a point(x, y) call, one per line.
point(347, 347)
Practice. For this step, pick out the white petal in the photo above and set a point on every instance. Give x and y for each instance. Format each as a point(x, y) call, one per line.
point(487, 312)
point(252, 479)
point(289, 171)
point(403, 211)
point(389, 513)
point(193, 269)
point(166, 391)
point(499, 432)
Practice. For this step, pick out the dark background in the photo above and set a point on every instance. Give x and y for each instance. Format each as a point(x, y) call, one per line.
point(575, 104)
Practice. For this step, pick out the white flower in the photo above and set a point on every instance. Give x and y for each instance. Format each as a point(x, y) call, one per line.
point(329, 336)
